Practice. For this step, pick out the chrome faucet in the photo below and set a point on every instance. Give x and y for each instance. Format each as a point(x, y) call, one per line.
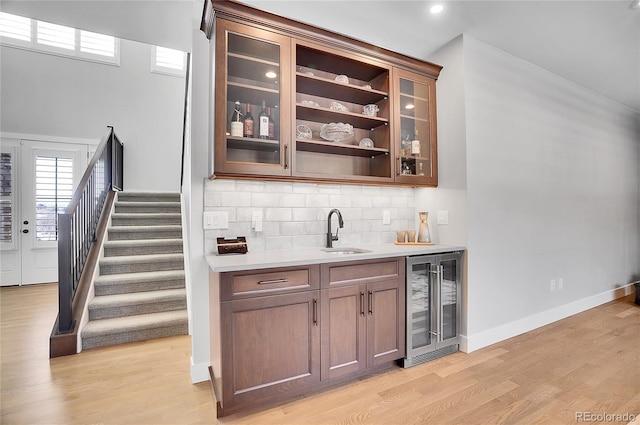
point(330, 236)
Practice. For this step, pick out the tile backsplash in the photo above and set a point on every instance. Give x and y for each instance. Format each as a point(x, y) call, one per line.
point(294, 214)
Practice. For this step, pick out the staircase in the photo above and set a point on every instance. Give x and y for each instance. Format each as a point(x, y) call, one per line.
point(140, 290)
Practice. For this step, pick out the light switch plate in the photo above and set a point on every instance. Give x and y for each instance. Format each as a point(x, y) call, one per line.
point(386, 217)
point(443, 217)
point(216, 220)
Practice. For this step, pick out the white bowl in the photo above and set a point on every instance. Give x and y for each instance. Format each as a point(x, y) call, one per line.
point(336, 132)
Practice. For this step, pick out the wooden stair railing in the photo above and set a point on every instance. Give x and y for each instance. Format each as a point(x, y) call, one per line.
point(81, 229)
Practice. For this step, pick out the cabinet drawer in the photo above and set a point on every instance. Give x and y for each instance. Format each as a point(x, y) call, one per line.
point(356, 272)
point(236, 285)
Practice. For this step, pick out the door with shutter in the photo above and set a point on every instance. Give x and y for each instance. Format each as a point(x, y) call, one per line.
point(39, 185)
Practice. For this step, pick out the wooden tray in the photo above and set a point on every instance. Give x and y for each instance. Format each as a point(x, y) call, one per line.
point(412, 243)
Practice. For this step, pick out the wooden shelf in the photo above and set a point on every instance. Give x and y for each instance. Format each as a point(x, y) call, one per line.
point(326, 115)
point(252, 143)
point(318, 86)
point(247, 93)
point(336, 148)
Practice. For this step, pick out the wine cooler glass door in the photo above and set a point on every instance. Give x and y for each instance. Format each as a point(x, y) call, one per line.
point(421, 316)
point(449, 299)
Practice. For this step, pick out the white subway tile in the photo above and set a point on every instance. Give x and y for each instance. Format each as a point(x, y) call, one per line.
point(262, 199)
point(212, 199)
point(305, 188)
point(292, 200)
point(304, 214)
point(278, 242)
point(279, 187)
point(292, 228)
point(236, 199)
point(278, 214)
point(250, 186)
point(329, 188)
point(223, 185)
point(317, 200)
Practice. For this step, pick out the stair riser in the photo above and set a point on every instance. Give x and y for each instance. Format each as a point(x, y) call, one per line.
point(148, 198)
point(130, 310)
point(147, 208)
point(140, 335)
point(106, 269)
point(137, 235)
point(106, 288)
point(146, 221)
point(142, 250)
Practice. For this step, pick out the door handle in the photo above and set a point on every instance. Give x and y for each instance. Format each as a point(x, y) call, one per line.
point(362, 304)
point(370, 302)
point(25, 231)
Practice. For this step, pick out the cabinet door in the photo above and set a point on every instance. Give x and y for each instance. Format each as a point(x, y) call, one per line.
point(270, 346)
point(343, 331)
point(251, 68)
point(449, 299)
point(415, 133)
point(422, 313)
point(385, 321)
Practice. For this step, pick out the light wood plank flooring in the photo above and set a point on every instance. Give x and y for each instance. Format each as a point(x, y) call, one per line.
point(587, 363)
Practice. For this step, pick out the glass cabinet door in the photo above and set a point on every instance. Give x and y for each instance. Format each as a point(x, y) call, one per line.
point(421, 317)
point(416, 134)
point(250, 82)
point(449, 299)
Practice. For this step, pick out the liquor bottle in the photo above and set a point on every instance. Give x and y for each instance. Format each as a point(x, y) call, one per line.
point(237, 127)
point(248, 122)
point(272, 124)
point(263, 120)
point(415, 145)
point(405, 147)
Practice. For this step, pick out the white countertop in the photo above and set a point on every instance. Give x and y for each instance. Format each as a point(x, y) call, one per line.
point(297, 257)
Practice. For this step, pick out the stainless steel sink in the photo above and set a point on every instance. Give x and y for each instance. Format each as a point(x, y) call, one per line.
point(345, 251)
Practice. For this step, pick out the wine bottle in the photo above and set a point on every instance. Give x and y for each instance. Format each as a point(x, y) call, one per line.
point(263, 119)
point(272, 124)
point(248, 122)
point(415, 144)
point(237, 127)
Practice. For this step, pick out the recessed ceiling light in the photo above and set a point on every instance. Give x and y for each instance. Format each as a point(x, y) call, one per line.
point(409, 106)
point(436, 8)
point(271, 74)
point(635, 4)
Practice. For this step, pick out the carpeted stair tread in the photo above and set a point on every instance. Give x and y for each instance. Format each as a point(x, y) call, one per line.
point(131, 323)
point(139, 282)
point(144, 232)
point(141, 263)
point(124, 247)
point(149, 196)
point(151, 229)
point(131, 259)
point(126, 278)
point(107, 301)
point(149, 219)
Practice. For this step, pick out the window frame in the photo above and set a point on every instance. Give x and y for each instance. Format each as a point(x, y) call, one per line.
point(164, 70)
point(77, 53)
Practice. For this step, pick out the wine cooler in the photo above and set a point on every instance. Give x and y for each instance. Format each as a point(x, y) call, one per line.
point(433, 306)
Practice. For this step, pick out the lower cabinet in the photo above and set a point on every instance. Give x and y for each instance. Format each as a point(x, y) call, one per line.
point(362, 327)
point(342, 320)
point(270, 346)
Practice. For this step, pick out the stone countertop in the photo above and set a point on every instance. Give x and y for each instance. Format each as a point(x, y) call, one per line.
point(297, 257)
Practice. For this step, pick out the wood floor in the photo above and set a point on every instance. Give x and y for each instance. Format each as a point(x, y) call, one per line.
point(587, 363)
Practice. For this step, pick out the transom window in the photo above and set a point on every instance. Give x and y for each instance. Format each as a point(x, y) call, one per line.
point(46, 37)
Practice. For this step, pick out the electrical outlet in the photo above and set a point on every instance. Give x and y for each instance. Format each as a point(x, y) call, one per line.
point(443, 217)
point(553, 285)
point(386, 217)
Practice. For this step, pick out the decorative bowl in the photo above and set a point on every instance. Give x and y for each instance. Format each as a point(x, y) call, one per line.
point(339, 107)
point(342, 79)
point(303, 132)
point(366, 143)
point(371, 110)
point(336, 132)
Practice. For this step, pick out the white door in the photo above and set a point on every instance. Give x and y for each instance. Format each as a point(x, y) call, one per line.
point(47, 174)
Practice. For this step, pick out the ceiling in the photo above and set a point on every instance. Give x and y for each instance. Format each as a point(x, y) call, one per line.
point(595, 44)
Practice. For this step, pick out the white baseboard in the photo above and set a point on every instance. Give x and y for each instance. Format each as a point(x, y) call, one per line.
point(469, 343)
point(199, 372)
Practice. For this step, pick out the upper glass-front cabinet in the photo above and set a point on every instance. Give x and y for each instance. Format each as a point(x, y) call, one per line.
point(416, 133)
point(251, 83)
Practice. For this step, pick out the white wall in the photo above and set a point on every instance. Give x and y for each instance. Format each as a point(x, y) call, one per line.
point(51, 95)
point(553, 193)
